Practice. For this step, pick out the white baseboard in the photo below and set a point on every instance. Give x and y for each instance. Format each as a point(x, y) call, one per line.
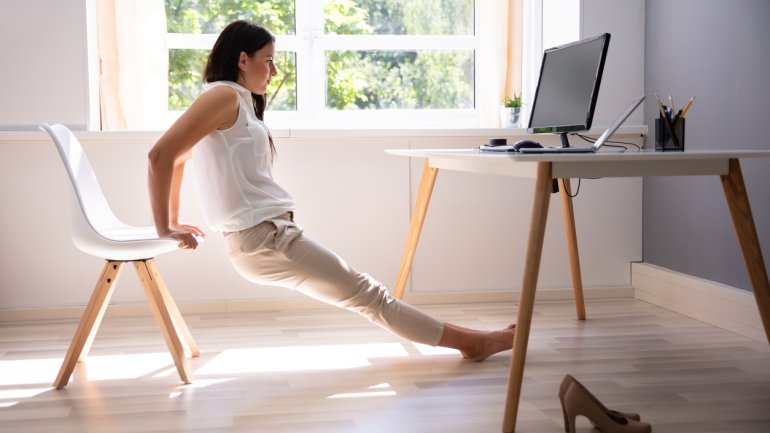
point(717, 304)
point(130, 310)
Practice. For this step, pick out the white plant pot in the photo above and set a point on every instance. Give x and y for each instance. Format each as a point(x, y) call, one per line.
point(510, 117)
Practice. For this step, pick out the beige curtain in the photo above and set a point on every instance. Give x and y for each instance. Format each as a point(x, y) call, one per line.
point(133, 76)
point(499, 65)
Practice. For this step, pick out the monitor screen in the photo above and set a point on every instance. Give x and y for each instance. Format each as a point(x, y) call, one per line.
point(566, 94)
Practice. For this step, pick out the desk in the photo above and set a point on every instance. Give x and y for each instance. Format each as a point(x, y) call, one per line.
point(546, 168)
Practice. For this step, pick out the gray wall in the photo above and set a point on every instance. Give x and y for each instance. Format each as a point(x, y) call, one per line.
point(718, 51)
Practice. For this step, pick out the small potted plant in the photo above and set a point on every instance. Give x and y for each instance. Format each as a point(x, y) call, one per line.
point(511, 111)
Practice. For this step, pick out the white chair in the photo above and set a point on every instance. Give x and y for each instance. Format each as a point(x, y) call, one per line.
point(97, 231)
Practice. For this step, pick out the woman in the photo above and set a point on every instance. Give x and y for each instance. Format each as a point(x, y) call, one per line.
point(223, 133)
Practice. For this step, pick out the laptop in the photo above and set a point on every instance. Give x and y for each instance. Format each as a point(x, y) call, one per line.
point(598, 143)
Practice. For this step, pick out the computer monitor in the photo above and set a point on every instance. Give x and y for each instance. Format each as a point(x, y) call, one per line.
point(568, 87)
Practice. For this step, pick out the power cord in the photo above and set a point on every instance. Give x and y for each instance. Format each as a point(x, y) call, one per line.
point(593, 140)
point(577, 190)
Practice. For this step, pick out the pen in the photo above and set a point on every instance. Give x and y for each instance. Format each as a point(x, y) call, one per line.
point(676, 117)
point(667, 121)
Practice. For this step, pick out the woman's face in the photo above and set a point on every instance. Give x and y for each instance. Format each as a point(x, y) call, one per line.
point(257, 70)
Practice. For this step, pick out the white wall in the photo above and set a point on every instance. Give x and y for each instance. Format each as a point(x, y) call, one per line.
point(353, 197)
point(44, 63)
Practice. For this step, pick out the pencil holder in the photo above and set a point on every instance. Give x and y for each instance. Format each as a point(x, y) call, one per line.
point(663, 139)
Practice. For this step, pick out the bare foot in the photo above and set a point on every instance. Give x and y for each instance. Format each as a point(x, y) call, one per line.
point(489, 343)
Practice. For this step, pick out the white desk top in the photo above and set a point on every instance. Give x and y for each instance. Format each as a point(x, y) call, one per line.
point(600, 164)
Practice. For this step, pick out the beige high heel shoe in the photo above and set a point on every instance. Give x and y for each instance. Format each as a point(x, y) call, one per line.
point(567, 381)
point(579, 401)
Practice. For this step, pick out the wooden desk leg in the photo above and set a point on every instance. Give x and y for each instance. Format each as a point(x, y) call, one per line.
point(543, 186)
point(162, 312)
point(415, 227)
point(89, 322)
point(738, 202)
point(572, 246)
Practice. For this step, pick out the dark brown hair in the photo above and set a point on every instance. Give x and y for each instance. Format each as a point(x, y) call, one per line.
point(222, 65)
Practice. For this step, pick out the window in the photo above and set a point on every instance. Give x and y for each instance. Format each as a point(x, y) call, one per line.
point(342, 63)
point(193, 26)
point(365, 61)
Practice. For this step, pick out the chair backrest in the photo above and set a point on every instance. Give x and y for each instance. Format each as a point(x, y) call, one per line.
point(91, 202)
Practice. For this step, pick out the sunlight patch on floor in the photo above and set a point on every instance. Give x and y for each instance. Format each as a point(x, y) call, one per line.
point(426, 350)
point(115, 367)
point(380, 390)
point(197, 384)
point(16, 394)
point(29, 371)
point(103, 367)
point(299, 358)
point(9, 394)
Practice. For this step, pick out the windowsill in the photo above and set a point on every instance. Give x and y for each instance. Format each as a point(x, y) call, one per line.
point(142, 137)
point(437, 132)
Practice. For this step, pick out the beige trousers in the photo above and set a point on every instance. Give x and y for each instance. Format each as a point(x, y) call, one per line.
point(276, 252)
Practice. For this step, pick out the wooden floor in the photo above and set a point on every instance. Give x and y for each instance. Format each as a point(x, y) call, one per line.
point(330, 371)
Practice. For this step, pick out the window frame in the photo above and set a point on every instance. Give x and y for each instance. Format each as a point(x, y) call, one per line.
point(310, 43)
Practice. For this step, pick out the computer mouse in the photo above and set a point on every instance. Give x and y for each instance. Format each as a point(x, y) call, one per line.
point(526, 143)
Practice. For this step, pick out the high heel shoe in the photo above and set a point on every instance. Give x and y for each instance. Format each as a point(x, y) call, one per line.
point(569, 380)
point(579, 401)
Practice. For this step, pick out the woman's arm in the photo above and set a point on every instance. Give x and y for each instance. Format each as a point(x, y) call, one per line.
point(214, 109)
point(176, 188)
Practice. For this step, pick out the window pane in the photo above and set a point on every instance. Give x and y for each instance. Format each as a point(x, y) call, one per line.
point(211, 16)
point(398, 17)
point(399, 79)
point(185, 79)
point(282, 93)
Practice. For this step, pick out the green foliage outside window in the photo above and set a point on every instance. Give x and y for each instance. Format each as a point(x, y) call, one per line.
point(354, 79)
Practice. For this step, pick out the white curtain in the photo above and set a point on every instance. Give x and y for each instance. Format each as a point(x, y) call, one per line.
point(498, 72)
point(133, 76)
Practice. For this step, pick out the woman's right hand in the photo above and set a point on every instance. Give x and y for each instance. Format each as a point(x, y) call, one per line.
point(186, 238)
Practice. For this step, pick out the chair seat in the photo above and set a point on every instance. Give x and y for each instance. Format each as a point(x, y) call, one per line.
point(130, 233)
point(128, 243)
point(123, 242)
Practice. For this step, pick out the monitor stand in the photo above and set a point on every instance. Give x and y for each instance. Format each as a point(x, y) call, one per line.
point(564, 143)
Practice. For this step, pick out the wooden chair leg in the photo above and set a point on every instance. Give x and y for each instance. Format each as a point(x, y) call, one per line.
point(738, 202)
point(572, 246)
point(89, 322)
point(174, 310)
point(161, 310)
point(415, 226)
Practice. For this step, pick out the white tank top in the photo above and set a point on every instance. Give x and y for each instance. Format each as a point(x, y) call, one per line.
point(233, 174)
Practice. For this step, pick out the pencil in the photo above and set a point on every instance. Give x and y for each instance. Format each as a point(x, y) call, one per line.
point(660, 107)
point(684, 111)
